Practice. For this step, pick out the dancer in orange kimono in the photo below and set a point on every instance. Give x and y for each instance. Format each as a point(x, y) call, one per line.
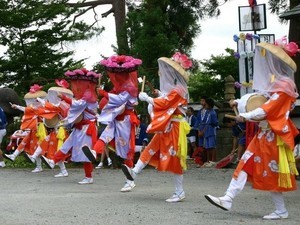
point(56, 132)
point(31, 121)
point(167, 151)
point(268, 162)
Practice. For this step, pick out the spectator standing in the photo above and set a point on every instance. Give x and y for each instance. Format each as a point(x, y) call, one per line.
point(191, 137)
point(200, 125)
point(141, 136)
point(239, 138)
point(210, 133)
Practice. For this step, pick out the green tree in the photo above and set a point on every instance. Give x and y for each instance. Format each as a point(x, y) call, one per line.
point(209, 79)
point(35, 34)
point(158, 28)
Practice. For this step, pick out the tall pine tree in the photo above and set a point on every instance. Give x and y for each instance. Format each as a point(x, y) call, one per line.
point(35, 35)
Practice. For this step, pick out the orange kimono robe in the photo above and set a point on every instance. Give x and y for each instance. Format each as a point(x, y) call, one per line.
point(268, 159)
point(164, 151)
point(54, 140)
point(31, 120)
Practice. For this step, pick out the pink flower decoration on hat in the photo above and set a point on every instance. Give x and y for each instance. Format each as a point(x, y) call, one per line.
point(290, 48)
point(121, 61)
point(92, 73)
point(62, 83)
point(82, 72)
point(35, 88)
point(70, 73)
point(183, 60)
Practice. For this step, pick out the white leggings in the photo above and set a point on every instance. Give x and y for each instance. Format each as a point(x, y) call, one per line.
point(237, 185)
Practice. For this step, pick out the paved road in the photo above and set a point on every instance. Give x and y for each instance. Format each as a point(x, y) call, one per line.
point(28, 198)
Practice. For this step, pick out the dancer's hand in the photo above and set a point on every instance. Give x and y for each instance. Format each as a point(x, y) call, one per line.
point(240, 119)
point(144, 97)
point(14, 106)
point(232, 103)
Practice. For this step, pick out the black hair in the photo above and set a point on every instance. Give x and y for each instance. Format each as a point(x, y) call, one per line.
point(210, 102)
point(191, 109)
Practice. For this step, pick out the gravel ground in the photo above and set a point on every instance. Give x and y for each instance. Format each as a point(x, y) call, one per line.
point(28, 198)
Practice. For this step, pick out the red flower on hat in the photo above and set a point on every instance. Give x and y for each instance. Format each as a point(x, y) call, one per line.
point(183, 60)
point(290, 48)
point(35, 88)
point(62, 83)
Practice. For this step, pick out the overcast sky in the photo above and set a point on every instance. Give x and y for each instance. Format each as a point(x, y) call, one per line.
point(216, 34)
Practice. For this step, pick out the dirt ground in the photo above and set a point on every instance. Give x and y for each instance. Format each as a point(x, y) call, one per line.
point(28, 198)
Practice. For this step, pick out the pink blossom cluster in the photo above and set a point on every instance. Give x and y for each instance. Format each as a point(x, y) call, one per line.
point(62, 83)
point(35, 88)
point(290, 48)
point(183, 60)
point(82, 72)
point(121, 61)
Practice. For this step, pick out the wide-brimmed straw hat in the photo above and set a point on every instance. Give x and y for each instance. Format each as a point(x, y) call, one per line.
point(280, 53)
point(61, 90)
point(38, 94)
point(176, 66)
point(255, 101)
point(51, 123)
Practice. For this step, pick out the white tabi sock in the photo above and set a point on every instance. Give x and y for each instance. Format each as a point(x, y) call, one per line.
point(178, 181)
point(139, 166)
point(16, 153)
point(38, 162)
point(278, 200)
point(62, 167)
point(236, 186)
point(37, 152)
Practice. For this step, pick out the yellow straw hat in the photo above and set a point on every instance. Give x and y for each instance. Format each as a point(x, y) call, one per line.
point(61, 90)
point(255, 101)
point(177, 67)
point(279, 53)
point(51, 123)
point(38, 94)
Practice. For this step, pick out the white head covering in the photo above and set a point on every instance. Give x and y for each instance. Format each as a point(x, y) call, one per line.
point(271, 73)
point(31, 98)
point(53, 92)
point(170, 79)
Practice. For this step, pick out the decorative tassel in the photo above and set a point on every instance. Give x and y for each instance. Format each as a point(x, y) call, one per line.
point(61, 135)
point(184, 129)
point(287, 165)
point(41, 132)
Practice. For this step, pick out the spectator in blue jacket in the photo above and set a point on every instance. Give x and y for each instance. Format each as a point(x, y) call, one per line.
point(210, 123)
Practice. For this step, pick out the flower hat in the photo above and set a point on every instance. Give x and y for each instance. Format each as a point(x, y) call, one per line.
point(35, 91)
point(283, 50)
point(83, 74)
point(121, 63)
point(180, 62)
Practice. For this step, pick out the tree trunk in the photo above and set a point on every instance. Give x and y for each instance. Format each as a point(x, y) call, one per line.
point(119, 10)
point(121, 32)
